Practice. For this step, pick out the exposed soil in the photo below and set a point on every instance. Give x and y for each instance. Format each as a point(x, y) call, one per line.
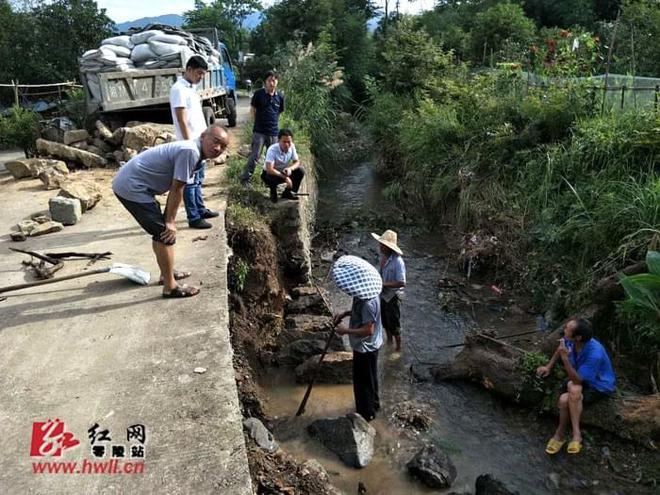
point(256, 319)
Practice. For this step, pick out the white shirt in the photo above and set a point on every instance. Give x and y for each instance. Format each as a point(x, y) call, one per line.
point(279, 158)
point(184, 95)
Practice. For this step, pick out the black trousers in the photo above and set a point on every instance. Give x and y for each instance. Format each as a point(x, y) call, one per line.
point(365, 384)
point(272, 181)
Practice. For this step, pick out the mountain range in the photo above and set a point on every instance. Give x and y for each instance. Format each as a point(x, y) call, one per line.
point(176, 20)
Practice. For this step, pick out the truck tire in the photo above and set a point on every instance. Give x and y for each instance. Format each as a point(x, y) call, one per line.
point(231, 112)
point(209, 116)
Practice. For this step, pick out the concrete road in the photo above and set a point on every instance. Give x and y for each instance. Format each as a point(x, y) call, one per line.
point(100, 350)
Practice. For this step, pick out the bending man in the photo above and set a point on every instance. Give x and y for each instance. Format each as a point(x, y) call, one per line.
point(165, 168)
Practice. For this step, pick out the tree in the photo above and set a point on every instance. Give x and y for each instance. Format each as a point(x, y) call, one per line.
point(500, 27)
point(639, 27)
point(225, 15)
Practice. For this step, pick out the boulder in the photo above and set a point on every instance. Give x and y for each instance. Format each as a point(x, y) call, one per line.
point(118, 156)
point(488, 485)
point(308, 323)
point(103, 130)
point(298, 351)
point(65, 210)
point(18, 236)
point(19, 169)
point(287, 336)
point(350, 437)
point(102, 145)
point(75, 136)
point(129, 153)
point(118, 136)
point(147, 135)
point(96, 150)
point(433, 467)
point(52, 179)
point(337, 367)
point(86, 191)
point(46, 228)
point(27, 226)
point(308, 303)
point(58, 150)
point(260, 434)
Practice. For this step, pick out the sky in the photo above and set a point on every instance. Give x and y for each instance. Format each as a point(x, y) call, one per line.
point(130, 10)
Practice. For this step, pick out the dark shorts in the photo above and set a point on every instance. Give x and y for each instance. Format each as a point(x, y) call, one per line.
point(149, 216)
point(390, 315)
point(591, 395)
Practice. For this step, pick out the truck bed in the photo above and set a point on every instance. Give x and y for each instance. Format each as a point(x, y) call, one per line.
point(142, 88)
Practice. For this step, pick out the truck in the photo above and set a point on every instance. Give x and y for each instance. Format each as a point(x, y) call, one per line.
point(149, 89)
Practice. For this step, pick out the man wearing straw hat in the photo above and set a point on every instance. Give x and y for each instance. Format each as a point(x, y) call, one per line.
point(392, 270)
point(359, 279)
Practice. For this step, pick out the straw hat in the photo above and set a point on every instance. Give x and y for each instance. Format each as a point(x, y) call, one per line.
point(356, 277)
point(388, 239)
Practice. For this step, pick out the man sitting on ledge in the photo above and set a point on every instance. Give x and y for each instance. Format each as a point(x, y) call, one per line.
point(590, 379)
point(283, 166)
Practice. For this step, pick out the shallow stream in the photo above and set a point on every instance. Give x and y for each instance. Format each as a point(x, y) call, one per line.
point(480, 433)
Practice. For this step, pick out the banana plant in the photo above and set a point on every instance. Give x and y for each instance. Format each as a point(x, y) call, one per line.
point(643, 289)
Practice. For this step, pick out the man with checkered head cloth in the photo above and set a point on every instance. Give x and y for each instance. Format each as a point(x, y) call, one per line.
point(359, 279)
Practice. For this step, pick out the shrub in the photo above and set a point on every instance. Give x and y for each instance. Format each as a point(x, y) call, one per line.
point(20, 128)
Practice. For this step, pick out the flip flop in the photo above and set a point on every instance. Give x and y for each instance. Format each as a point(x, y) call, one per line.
point(554, 446)
point(181, 291)
point(574, 447)
point(177, 276)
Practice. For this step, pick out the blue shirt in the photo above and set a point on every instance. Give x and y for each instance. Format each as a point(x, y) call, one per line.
point(363, 312)
point(268, 109)
point(279, 158)
point(593, 365)
point(394, 270)
point(152, 171)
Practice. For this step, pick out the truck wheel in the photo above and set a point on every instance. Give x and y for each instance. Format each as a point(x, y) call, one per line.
point(231, 112)
point(209, 116)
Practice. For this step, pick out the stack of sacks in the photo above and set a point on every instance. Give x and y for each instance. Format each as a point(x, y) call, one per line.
point(154, 47)
point(113, 55)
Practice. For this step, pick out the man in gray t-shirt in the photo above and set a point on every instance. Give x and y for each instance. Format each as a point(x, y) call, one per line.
point(365, 334)
point(165, 168)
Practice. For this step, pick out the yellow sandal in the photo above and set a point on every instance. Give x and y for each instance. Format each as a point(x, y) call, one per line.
point(554, 446)
point(574, 447)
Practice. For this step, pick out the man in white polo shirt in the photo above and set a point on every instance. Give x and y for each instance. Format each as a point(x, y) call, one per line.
point(189, 123)
point(283, 166)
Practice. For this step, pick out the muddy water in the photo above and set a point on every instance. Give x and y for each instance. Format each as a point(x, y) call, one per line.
point(481, 434)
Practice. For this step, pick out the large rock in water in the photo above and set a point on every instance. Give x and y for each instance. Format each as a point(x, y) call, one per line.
point(58, 150)
point(433, 467)
point(86, 191)
point(337, 367)
point(488, 485)
point(350, 437)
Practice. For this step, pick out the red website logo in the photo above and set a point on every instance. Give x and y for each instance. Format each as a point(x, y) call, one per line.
point(49, 438)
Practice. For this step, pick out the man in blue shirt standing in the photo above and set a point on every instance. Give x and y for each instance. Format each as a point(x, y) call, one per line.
point(265, 107)
point(590, 378)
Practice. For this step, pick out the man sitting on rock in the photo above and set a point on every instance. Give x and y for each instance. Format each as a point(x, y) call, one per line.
point(590, 379)
point(283, 166)
point(166, 168)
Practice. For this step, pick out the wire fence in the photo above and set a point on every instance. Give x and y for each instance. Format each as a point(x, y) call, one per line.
point(38, 97)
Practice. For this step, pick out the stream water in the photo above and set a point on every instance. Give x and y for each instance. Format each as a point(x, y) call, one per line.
point(480, 433)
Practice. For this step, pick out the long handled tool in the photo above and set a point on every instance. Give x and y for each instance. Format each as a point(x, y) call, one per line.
point(301, 408)
point(133, 273)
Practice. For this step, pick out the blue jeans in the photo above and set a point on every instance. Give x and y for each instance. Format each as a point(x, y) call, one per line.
point(259, 142)
point(192, 196)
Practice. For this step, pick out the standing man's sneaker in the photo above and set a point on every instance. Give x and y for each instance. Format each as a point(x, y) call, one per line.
point(288, 194)
point(200, 223)
point(210, 213)
point(273, 194)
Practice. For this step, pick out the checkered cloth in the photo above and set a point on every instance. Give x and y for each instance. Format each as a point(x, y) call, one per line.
point(356, 277)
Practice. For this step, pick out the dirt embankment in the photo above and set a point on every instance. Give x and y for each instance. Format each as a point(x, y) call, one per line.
point(256, 319)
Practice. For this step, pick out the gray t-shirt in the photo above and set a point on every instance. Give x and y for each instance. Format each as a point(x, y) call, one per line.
point(152, 171)
point(363, 312)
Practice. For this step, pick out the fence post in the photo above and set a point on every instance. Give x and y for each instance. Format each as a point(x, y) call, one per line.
point(623, 95)
point(15, 83)
point(655, 102)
